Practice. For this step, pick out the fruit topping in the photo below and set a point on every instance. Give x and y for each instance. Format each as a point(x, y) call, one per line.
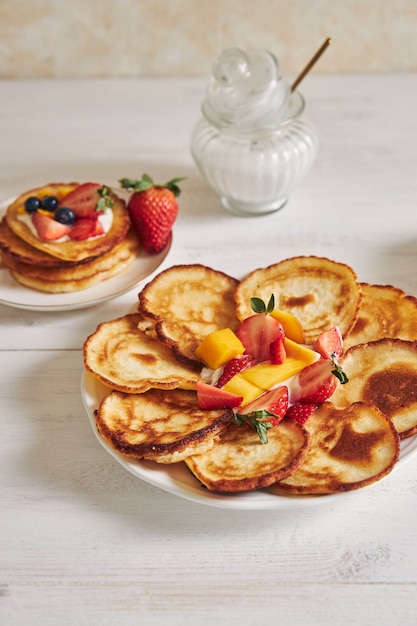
point(300, 412)
point(86, 227)
point(219, 347)
point(291, 324)
point(233, 367)
point(32, 204)
point(317, 382)
point(277, 352)
point(47, 228)
point(264, 412)
point(330, 343)
point(153, 210)
point(64, 215)
point(86, 199)
point(210, 397)
point(49, 203)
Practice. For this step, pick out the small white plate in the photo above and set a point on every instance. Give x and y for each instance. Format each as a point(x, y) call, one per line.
point(177, 479)
point(15, 295)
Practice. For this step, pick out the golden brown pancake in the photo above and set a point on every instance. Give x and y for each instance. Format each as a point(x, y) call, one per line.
point(185, 303)
point(69, 250)
point(321, 293)
point(159, 425)
point(383, 373)
point(385, 311)
point(76, 277)
point(124, 358)
point(240, 462)
point(349, 448)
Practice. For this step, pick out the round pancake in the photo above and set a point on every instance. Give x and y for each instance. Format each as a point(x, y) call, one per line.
point(385, 311)
point(240, 462)
point(158, 425)
point(383, 373)
point(349, 448)
point(185, 303)
point(75, 277)
point(321, 293)
point(69, 250)
point(124, 358)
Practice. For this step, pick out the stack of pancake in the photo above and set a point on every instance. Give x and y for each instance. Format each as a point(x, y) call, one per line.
point(147, 360)
point(64, 266)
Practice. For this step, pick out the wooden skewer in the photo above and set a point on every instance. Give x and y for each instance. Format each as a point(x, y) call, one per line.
point(310, 64)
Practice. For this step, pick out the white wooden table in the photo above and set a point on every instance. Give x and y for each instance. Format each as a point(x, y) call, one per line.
point(82, 541)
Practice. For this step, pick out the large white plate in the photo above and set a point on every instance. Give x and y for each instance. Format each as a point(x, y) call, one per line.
point(15, 295)
point(177, 479)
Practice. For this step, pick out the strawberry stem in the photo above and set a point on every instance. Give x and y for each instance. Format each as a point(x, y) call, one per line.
point(146, 182)
point(258, 421)
point(259, 306)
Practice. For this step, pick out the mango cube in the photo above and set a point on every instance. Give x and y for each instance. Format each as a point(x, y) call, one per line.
point(219, 347)
point(267, 376)
point(298, 351)
point(291, 325)
point(242, 387)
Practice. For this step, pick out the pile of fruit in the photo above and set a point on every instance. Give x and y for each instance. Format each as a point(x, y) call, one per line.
point(76, 216)
point(264, 372)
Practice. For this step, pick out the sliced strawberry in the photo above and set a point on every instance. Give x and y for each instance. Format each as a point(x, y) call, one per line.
point(83, 200)
point(210, 397)
point(301, 412)
point(274, 402)
point(264, 412)
point(234, 366)
point(47, 228)
point(277, 352)
point(330, 343)
point(85, 228)
point(315, 383)
point(257, 332)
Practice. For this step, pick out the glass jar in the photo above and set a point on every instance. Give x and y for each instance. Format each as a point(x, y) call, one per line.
point(254, 170)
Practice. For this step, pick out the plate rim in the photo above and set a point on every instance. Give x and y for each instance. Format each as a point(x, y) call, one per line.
point(256, 500)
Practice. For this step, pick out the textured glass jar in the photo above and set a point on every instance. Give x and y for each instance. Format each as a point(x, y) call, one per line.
point(254, 171)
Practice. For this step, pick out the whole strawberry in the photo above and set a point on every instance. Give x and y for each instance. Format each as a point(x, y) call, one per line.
point(153, 210)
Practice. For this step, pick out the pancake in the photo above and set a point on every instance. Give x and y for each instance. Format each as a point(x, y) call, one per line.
point(70, 250)
point(185, 303)
point(349, 448)
point(385, 311)
point(124, 358)
point(65, 279)
point(158, 425)
point(321, 293)
point(239, 462)
point(383, 373)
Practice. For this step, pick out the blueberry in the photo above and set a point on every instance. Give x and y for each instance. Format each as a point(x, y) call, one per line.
point(49, 203)
point(65, 216)
point(32, 204)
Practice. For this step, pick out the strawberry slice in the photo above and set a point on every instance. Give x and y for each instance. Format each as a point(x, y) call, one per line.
point(85, 228)
point(330, 343)
point(301, 412)
point(234, 366)
point(210, 397)
point(315, 383)
point(273, 404)
point(83, 200)
point(277, 352)
point(257, 332)
point(47, 228)
point(264, 412)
